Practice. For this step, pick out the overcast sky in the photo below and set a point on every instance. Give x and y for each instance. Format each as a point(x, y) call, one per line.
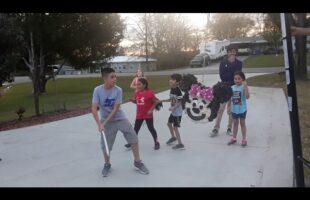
point(198, 20)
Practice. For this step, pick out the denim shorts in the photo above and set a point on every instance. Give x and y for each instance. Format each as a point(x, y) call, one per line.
point(239, 115)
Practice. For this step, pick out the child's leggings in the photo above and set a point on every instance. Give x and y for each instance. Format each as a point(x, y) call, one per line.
point(150, 126)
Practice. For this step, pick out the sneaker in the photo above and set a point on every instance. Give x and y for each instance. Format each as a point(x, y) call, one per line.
point(157, 146)
point(127, 145)
point(232, 141)
point(243, 143)
point(171, 140)
point(106, 169)
point(142, 168)
point(178, 146)
point(228, 132)
point(214, 133)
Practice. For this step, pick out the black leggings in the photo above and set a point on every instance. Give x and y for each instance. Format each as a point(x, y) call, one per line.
point(150, 126)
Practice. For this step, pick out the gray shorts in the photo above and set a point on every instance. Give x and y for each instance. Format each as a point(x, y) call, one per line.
point(113, 127)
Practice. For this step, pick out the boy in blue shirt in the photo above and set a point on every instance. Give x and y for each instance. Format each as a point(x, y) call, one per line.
point(108, 97)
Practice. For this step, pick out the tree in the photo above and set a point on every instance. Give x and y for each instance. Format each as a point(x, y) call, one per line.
point(271, 33)
point(259, 23)
point(8, 56)
point(165, 32)
point(164, 35)
point(75, 38)
point(226, 26)
point(197, 37)
point(297, 19)
point(301, 48)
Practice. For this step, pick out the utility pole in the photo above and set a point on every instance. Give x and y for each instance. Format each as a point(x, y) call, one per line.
point(146, 50)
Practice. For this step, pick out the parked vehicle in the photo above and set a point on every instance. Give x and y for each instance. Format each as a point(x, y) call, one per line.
point(200, 60)
point(244, 51)
point(215, 49)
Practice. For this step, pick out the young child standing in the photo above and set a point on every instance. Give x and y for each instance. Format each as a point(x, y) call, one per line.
point(134, 82)
point(174, 121)
point(108, 97)
point(239, 106)
point(146, 102)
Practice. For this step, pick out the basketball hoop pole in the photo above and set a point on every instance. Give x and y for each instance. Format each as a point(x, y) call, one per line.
point(292, 98)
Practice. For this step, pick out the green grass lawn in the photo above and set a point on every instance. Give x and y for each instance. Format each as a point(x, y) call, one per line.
point(267, 61)
point(73, 92)
point(303, 98)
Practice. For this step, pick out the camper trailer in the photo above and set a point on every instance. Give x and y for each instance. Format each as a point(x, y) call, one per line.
point(215, 49)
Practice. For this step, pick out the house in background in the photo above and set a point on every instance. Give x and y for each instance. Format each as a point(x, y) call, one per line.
point(130, 64)
point(66, 70)
point(250, 45)
point(257, 45)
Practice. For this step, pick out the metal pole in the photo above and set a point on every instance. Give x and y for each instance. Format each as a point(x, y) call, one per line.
point(105, 143)
point(146, 44)
point(292, 98)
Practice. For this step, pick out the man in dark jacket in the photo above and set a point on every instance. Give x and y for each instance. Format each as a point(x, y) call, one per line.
point(227, 69)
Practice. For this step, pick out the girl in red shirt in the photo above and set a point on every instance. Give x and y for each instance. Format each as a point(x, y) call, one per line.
point(146, 103)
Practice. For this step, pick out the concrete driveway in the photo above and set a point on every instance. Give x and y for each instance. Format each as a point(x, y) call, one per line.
point(67, 153)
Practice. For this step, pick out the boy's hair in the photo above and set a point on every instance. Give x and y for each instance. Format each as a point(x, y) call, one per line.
point(177, 77)
point(144, 82)
point(241, 74)
point(107, 70)
point(231, 47)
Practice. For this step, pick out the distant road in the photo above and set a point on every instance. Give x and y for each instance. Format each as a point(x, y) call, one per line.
point(213, 68)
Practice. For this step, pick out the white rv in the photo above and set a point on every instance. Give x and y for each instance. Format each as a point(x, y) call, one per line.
point(215, 49)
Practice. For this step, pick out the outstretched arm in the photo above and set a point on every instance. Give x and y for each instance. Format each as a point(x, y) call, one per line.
point(175, 106)
point(133, 84)
point(165, 100)
point(155, 102)
point(300, 31)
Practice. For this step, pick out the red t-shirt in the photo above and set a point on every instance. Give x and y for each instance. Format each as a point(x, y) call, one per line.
point(144, 100)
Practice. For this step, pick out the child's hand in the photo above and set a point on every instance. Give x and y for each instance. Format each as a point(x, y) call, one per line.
point(244, 83)
point(101, 127)
point(149, 112)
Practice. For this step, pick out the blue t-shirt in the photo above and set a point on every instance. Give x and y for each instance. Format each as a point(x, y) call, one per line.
point(106, 100)
point(238, 100)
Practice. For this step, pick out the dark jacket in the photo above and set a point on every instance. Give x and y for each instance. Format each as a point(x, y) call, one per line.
point(227, 70)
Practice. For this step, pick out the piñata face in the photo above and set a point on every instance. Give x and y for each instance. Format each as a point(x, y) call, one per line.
point(197, 109)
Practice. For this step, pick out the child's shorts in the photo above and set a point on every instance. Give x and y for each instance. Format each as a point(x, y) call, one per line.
point(175, 120)
point(120, 125)
point(239, 115)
